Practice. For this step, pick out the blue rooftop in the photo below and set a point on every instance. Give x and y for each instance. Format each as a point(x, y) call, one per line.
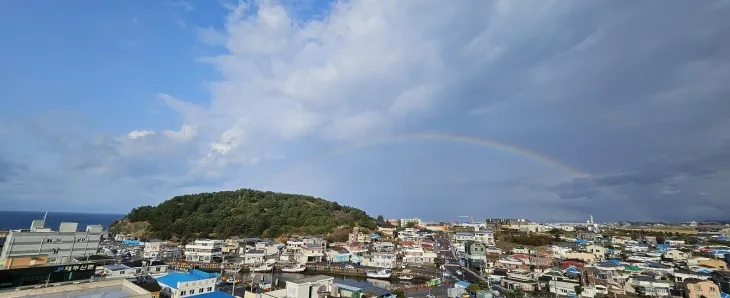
point(172, 279)
point(354, 285)
point(462, 284)
point(214, 294)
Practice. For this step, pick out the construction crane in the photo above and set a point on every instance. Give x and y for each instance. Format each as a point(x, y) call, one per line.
point(471, 219)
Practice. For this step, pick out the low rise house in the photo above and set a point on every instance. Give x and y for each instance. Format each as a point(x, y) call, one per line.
point(682, 275)
point(154, 250)
point(648, 286)
point(542, 260)
point(353, 288)
point(309, 287)
point(335, 256)
point(598, 251)
point(676, 255)
point(696, 288)
point(519, 279)
point(192, 283)
point(585, 257)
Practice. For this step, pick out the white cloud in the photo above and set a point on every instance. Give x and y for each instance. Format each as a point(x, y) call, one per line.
point(136, 134)
point(359, 71)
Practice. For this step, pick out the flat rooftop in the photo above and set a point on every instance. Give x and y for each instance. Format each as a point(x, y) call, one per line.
point(103, 289)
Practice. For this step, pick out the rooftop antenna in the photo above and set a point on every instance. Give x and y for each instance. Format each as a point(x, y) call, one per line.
point(45, 215)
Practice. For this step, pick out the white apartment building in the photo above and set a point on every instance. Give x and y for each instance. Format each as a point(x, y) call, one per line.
point(204, 251)
point(383, 260)
point(406, 221)
point(462, 237)
point(40, 245)
point(154, 250)
point(484, 236)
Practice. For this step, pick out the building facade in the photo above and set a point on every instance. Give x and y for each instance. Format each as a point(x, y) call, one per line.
point(39, 245)
point(204, 251)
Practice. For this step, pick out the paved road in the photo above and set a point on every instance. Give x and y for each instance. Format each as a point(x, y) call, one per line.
point(452, 264)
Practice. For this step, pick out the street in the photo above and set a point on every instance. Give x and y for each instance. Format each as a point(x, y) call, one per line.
point(452, 264)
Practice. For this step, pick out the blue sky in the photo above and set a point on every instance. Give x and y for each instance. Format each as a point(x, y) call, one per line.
point(610, 109)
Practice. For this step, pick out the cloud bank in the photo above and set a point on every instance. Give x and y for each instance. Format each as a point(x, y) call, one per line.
point(633, 98)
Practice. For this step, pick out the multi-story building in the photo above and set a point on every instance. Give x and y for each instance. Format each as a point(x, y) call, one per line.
point(410, 221)
point(722, 278)
point(475, 250)
point(154, 250)
point(383, 260)
point(40, 245)
point(484, 236)
point(204, 251)
point(463, 237)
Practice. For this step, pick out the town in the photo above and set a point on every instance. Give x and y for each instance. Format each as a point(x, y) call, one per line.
point(511, 258)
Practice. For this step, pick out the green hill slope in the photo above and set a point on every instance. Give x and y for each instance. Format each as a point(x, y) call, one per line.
point(244, 212)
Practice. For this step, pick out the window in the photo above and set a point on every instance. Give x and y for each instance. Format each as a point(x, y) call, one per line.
point(698, 288)
point(121, 272)
point(210, 289)
point(713, 289)
point(49, 240)
point(182, 293)
point(201, 290)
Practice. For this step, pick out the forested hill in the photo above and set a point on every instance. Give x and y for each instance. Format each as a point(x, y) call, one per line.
point(243, 213)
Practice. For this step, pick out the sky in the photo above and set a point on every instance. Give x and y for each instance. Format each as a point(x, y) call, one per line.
point(546, 110)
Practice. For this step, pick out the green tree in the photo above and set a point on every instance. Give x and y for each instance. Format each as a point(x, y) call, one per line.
point(243, 212)
point(380, 219)
point(438, 261)
point(518, 293)
point(473, 288)
point(399, 293)
point(578, 290)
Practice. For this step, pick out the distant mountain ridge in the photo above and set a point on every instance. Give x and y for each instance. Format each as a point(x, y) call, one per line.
point(243, 212)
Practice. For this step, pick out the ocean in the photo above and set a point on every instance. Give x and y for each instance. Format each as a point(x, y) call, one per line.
point(21, 219)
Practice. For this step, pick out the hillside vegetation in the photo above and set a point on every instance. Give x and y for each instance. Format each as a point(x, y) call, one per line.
point(243, 213)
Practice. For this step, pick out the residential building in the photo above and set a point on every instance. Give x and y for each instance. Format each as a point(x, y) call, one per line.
point(586, 257)
point(410, 221)
point(383, 260)
point(232, 245)
point(649, 286)
point(475, 250)
point(189, 284)
point(413, 255)
point(154, 249)
point(519, 279)
point(696, 288)
point(316, 240)
point(542, 259)
point(674, 243)
point(294, 245)
point(713, 264)
point(598, 251)
point(676, 255)
point(354, 288)
point(651, 240)
point(134, 268)
point(562, 287)
point(253, 256)
point(309, 287)
point(342, 256)
point(681, 275)
point(387, 229)
point(40, 245)
point(725, 233)
point(204, 251)
point(484, 236)
point(462, 237)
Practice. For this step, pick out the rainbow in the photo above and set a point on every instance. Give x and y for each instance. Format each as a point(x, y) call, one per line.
point(431, 136)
